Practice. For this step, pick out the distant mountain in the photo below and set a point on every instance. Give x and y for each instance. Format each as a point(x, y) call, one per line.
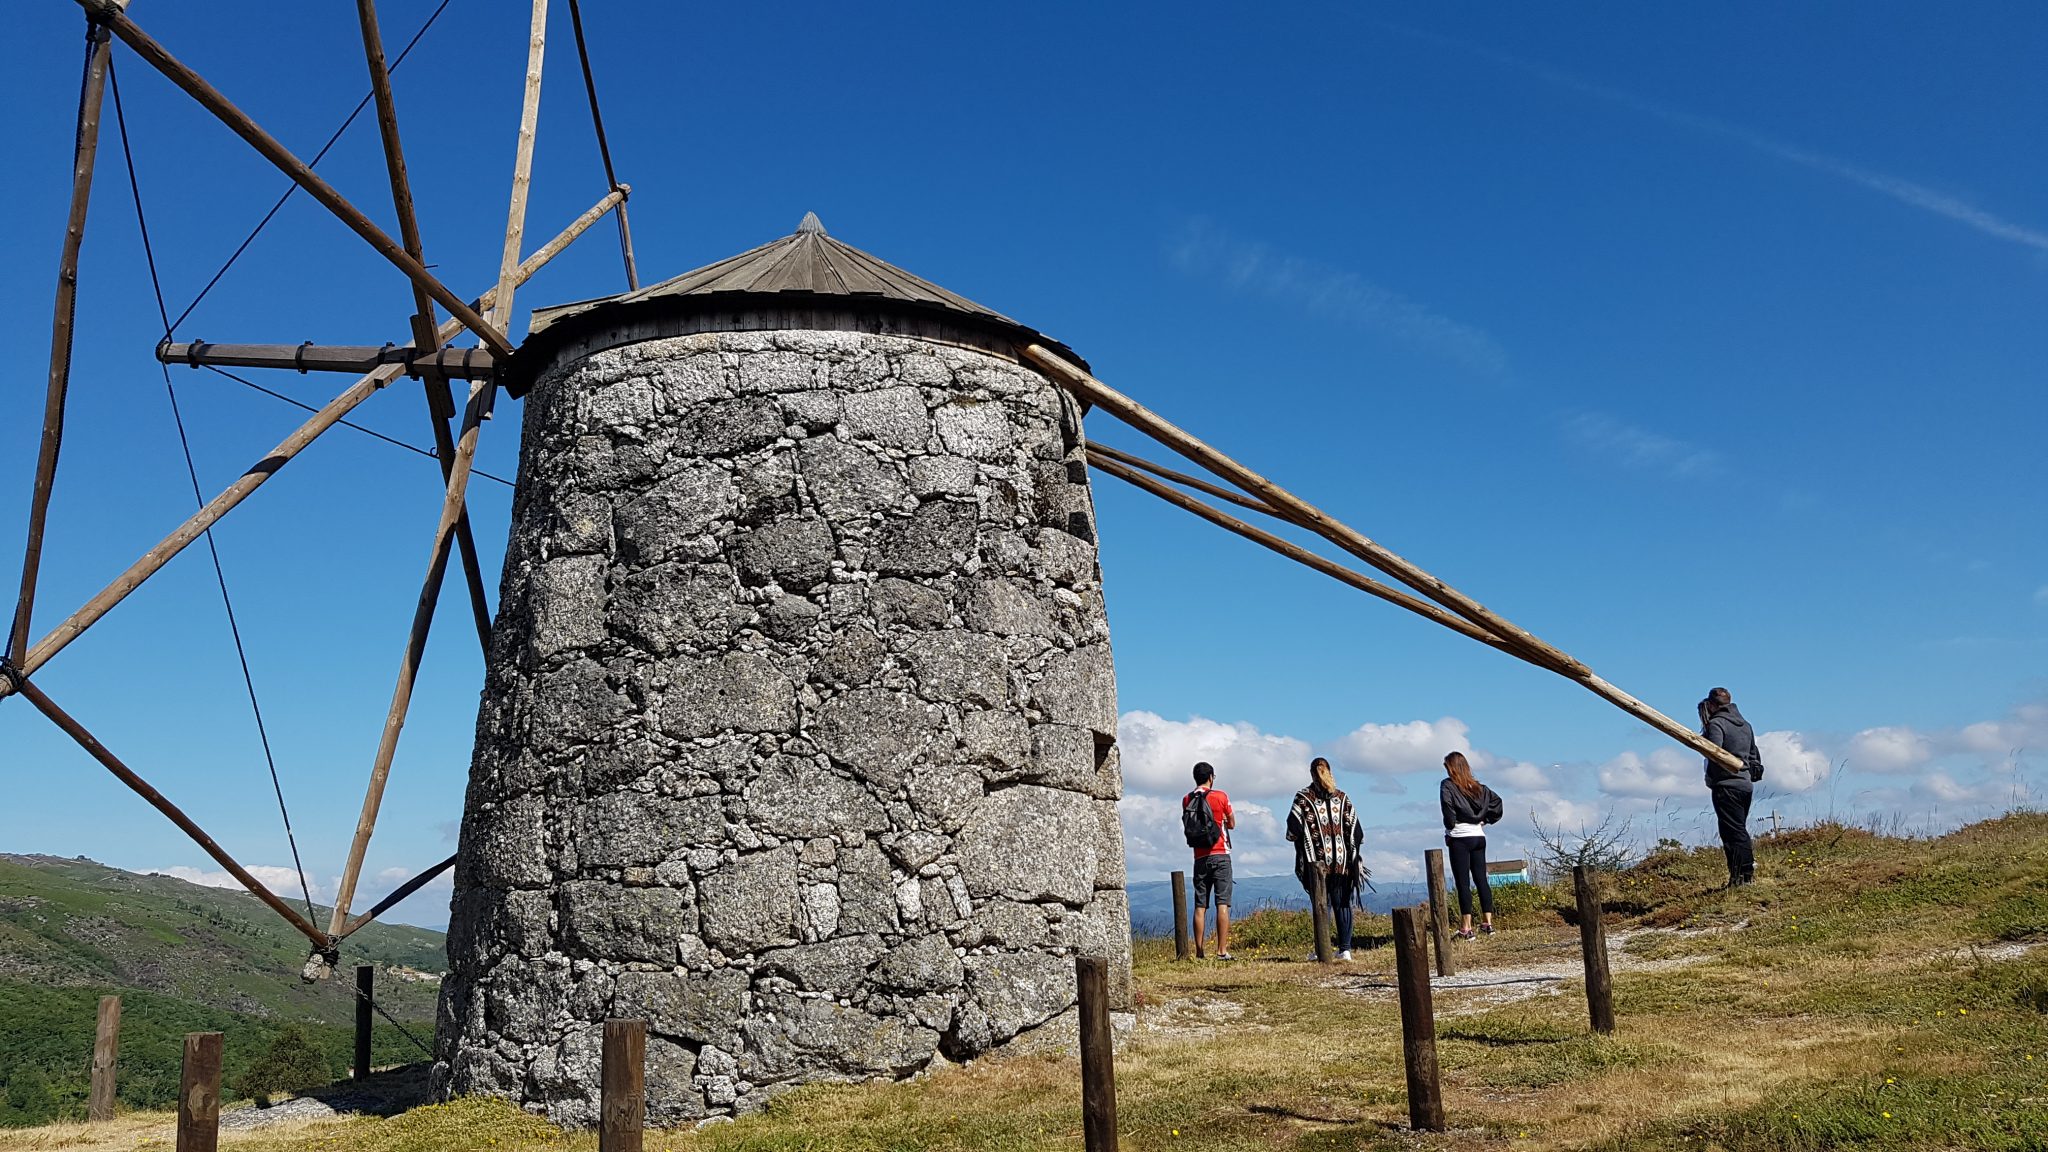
point(183, 957)
point(1152, 900)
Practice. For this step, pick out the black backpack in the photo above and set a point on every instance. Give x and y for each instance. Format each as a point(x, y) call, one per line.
point(1197, 821)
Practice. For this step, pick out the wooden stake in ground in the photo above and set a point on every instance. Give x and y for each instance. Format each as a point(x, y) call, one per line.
point(106, 1048)
point(1418, 1023)
point(199, 1094)
point(1593, 947)
point(366, 992)
point(1098, 1060)
point(1439, 911)
point(622, 1093)
point(90, 100)
point(1181, 948)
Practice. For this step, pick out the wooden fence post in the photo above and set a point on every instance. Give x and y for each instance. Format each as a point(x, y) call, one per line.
point(1418, 1023)
point(623, 1101)
point(366, 988)
point(1439, 911)
point(106, 1047)
point(1319, 913)
point(1098, 1067)
point(199, 1094)
point(1181, 948)
point(1593, 944)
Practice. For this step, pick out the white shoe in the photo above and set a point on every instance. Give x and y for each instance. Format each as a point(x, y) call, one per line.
point(1345, 955)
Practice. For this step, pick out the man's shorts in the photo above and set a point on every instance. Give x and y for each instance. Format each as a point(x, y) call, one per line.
point(1212, 874)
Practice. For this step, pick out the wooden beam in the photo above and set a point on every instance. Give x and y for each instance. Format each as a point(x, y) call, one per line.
point(461, 363)
point(397, 894)
point(415, 651)
point(1306, 515)
point(199, 1094)
point(1187, 481)
point(85, 157)
point(154, 560)
point(301, 174)
point(522, 164)
point(142, 788)
point(1300, 555)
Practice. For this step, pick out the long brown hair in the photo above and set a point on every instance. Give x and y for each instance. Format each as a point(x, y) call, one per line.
point(1461, 775)
point(1319, 771)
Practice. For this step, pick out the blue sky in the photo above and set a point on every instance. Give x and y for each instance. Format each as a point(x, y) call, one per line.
point(1706, 345)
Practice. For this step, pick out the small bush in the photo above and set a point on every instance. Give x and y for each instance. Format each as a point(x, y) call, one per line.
point(293, 1064)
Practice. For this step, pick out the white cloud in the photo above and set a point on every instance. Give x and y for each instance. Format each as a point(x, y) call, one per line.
point(1204, 250)
point(428, 905)
point(277, 877)
point(1159, 756)
point(1664, 772)
point(1893, 748)
point(1641, 449)
point(1791, 766)
point(1395, 749)
point(1153, 843)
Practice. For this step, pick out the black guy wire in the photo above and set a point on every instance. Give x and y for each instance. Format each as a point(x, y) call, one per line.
point(291, 189)
point(372, 432)
point(192, 472)
point(604, 150)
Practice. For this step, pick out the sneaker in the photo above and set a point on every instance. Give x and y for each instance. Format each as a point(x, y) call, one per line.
point(1345, 956)
point(1465, 935)
point(1225, 956)
point(1486, 929)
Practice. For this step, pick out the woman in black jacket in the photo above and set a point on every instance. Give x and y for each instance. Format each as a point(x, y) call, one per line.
point(1468, 807)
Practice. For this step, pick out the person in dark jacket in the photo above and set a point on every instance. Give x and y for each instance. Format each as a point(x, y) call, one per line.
point(1468, 807)
point(1722, 724)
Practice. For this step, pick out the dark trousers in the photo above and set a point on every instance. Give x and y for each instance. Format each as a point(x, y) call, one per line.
point(1468, 867)
point(1731, 809)
point(1337, 889)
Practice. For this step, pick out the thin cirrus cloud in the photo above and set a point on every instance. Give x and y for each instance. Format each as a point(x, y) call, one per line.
point(1202, 249)
point(1640, 449)
point(1899, 189)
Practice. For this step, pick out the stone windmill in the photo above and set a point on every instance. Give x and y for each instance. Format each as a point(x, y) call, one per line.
point(798, 736)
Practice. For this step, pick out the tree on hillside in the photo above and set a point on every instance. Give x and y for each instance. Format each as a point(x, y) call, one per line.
point(26, 1099)
point(292, 1064)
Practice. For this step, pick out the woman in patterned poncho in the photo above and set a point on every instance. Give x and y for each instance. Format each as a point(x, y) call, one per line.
point(1324, 829)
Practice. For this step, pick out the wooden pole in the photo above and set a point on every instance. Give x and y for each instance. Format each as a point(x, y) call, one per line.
point(1102, 462)
point(622, 1099)
point(1593, 948)
point(1185, 480)
point(106, 1049)
point(142, 788)
point(366, 993)
point(84, 158)
point(1319, 913)
point(522, 164)
point(211, 99)
point(1418, 1023)
point(415, 651)
point(336, 410)
point(1308, 516)
point(1181, 948)
point(1098, 1060)
point(199, 1094)
point(397, 894)
point(1439, 911)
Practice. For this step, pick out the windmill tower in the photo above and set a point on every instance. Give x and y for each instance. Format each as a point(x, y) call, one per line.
point(798, 733)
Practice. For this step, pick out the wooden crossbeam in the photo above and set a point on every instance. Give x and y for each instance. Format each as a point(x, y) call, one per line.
point(156, 56)
point(260, 472)
point(461, 363)
point(1298, 511)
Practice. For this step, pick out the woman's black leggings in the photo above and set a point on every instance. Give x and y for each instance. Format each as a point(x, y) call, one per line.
point(1468, 865)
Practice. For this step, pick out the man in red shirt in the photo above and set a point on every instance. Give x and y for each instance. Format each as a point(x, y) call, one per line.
point(1208, 808)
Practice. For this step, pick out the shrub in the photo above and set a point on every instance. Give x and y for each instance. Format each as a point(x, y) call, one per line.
point(293, 1064)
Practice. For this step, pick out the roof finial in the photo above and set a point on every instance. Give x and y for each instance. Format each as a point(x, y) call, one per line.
point(811, 224)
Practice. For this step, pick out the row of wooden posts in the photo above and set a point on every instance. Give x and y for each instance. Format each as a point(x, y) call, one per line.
point(1412, 978)
point(622, 1102)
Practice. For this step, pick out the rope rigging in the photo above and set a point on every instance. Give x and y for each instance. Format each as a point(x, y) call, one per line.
point(199, 498)
point(604, 150)
point(314, 162)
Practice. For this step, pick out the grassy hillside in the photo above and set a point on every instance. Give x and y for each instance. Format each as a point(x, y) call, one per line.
point(183, 958)
point(1868, 992)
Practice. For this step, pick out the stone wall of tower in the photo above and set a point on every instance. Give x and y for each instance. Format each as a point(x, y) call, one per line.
point(797, 738)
